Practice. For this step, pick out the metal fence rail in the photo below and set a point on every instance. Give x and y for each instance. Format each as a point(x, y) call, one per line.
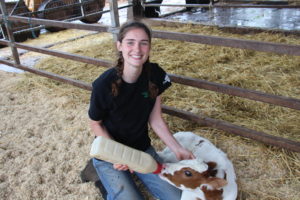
point(202, 84)
point(222, 5)
point(231, 42)
point(203, 120)
point(195, 38)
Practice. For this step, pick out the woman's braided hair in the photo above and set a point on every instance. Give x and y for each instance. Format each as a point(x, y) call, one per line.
point(153, 89)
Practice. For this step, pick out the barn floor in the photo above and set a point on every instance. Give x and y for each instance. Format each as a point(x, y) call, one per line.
point(262, 18)
point(45, 138)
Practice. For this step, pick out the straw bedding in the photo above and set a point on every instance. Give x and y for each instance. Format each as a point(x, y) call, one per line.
point(45, 138)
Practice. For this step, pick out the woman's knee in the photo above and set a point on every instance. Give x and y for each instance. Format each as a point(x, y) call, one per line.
point(118, 184)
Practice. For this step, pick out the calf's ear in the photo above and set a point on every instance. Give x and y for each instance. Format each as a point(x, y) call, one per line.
point(211, 165)
point(216, 183)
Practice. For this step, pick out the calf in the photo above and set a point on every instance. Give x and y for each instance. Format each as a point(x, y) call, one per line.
point(209, 177)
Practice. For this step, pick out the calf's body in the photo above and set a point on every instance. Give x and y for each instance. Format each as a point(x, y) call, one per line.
point(209, 177)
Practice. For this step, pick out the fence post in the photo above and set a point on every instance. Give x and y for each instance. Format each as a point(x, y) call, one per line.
point(114, 16)
point(130, 10)
point(81, 8)
point(9, 32)
point(136, 10)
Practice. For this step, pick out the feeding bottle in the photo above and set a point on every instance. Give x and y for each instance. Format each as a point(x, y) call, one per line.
point(117, 153)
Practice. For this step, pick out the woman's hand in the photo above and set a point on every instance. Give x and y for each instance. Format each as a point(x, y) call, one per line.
point(184, 154)
point(122, 167)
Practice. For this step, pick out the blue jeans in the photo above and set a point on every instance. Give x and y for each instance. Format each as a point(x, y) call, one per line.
point(120, 185)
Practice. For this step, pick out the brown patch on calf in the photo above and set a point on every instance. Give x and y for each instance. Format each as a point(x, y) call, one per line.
point(212, 194)
point(216, 182)
point(211, 171)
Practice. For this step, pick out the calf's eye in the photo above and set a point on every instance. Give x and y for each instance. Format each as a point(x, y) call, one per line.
point(188, 173)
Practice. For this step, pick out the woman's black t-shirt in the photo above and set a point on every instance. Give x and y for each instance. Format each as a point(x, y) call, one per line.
point(126, 115)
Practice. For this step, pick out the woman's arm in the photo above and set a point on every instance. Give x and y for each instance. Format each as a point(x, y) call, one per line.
point(160, 127)
point(98, 129)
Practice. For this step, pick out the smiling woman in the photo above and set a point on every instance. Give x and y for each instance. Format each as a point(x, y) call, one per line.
point(124, 100)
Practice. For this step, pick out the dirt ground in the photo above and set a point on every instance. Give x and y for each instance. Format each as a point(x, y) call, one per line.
point(39, 146)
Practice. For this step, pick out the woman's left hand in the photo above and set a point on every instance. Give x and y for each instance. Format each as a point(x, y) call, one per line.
point(122, 167)
point(184, 154)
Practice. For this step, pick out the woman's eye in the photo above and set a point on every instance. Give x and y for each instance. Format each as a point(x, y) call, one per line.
point(130, 43)
point(145, 43)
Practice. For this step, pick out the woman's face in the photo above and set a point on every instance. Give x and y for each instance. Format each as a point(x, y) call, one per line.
point(135, 48)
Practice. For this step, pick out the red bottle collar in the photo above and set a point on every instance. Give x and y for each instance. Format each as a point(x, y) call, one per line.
point(158, 169)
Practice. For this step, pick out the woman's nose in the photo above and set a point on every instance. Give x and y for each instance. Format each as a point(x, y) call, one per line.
point(137, 47)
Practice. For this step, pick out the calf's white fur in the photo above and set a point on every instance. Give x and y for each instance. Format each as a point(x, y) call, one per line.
point(215, 171)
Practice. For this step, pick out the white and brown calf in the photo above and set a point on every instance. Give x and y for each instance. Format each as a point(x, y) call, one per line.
point(209, 177)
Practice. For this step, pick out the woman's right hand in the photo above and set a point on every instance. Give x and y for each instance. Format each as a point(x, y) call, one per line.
point(184, 154)
point(122, 167)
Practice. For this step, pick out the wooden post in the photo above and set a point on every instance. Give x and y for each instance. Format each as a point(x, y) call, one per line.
point(9, 32)
point(130, 10)
point(136, 11)
point(114, 15)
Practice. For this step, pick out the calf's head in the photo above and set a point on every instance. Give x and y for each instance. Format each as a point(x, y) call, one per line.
point(192, 174)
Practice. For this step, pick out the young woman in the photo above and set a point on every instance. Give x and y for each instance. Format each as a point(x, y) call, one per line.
point(124, 100)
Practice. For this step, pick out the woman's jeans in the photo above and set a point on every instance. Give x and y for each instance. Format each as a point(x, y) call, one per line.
point(120, 185)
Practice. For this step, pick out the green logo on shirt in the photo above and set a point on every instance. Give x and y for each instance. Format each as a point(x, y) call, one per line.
point(145, 94)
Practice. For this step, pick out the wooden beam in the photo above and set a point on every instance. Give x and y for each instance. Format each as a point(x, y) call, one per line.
point(85, 59)
point(234, 129)
point(230, 42)
point(50, 75)
point(236, 91)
